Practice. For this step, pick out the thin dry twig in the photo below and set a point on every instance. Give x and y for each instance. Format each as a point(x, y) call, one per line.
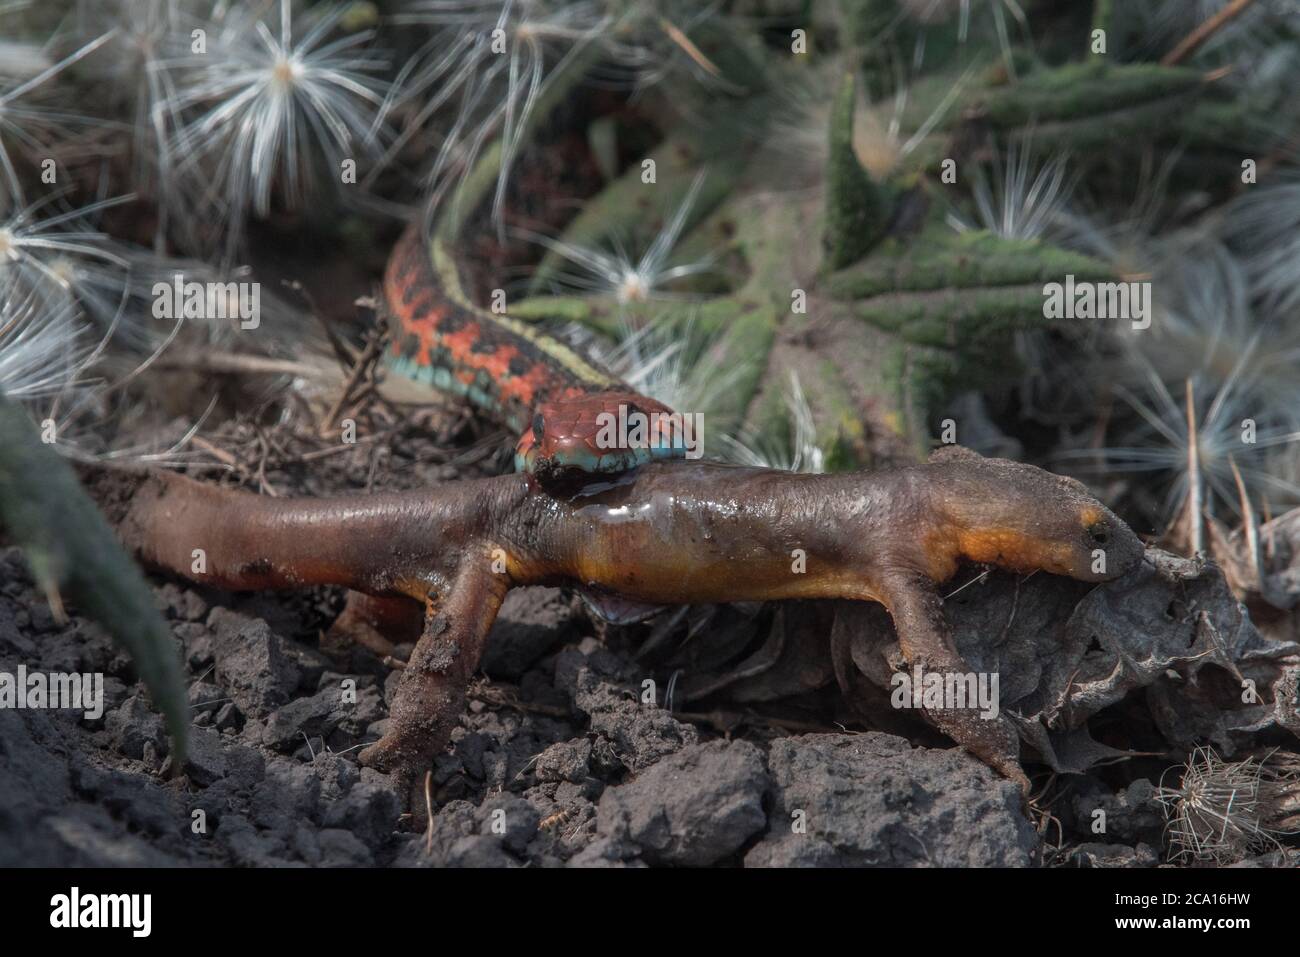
point(363, 366)
point(507, 697)
point(235, 363)
point(1193, 41)
point(676, 34)
point(428, 810)
point(216, 451)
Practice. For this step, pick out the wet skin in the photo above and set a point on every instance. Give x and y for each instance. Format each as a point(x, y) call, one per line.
point(668, 533)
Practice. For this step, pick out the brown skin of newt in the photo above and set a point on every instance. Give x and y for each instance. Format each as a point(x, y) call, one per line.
point(668, 533)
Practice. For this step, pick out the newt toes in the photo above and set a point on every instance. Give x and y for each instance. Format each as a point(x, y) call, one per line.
point(673, 532)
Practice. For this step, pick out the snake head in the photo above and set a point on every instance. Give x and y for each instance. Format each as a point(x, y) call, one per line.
point(597, 433)
point(1022, 518)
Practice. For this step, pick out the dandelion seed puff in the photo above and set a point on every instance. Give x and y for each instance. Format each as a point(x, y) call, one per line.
point(42, 251)
point(1016, 201)
point(145, 37)
point(271, 106)
point(615, 274)
point(40, 347)
point(677, 366)
point(1209, 327)
point(1242, 369)
point(1265, 225)
point(1132, 241)
point(676, 363)
point(795, 451)
point(31, 126)
point(490, 60)
point(1162, 442)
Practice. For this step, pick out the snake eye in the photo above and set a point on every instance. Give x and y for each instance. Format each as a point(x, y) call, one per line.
point(1099, 533)
point(539, 427)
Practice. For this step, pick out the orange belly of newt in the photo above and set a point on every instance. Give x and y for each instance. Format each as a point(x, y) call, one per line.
point(1014, 550)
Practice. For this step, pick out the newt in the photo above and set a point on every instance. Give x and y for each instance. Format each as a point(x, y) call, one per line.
point(667, 532)
point(632, 527)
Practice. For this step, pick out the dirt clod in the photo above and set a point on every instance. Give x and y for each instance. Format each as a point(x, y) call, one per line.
point(695, 807)
point(873, 800)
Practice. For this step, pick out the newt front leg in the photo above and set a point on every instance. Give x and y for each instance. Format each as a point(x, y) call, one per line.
point(431, 694)
point(925, 641)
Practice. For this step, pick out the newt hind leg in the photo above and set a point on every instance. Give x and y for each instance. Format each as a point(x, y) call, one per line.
point(387, 626)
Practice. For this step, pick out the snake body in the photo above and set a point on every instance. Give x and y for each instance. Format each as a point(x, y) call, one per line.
point(513, 373)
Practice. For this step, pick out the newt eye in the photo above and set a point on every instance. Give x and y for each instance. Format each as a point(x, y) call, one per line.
point(1099, 533)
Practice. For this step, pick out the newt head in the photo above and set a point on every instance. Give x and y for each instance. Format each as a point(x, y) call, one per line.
point(1023, 519)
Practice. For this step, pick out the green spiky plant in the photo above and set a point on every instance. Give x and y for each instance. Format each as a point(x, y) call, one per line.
point(73, 554)
point(895, 308)
point(915, 306)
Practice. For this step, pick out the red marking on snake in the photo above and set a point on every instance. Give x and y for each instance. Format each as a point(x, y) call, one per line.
point(513, 372)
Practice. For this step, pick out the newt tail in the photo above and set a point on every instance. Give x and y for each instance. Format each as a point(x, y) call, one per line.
point(666, 533)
